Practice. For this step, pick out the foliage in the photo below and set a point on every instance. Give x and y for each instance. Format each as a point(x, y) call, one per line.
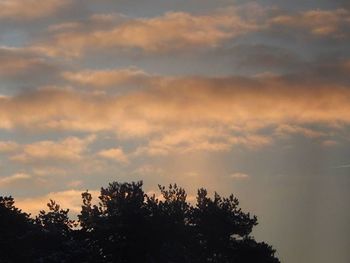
point(128, 225)
point(15, 227)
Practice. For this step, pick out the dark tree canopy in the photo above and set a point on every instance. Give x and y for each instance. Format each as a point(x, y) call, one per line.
point(128, 225)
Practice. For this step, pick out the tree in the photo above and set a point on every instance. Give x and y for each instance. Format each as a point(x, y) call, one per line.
point(223, 231)
point(16, 232)
point(118, 228)
point(130, 226)
point(50, 237)
point(55, 221)
point(58, 239)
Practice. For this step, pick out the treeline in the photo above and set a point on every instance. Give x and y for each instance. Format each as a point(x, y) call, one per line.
point(130, 226)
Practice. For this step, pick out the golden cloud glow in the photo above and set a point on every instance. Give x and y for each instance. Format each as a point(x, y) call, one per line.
point(249, 97)
point(108, 78)
point(69, 149)
point(181, 114)
point(196, 139)
point(288, 129)
point(66, 199)
point(169, 32)
point(4, 181)
point(17, 60)
point(29, 9)
point(239, 176)
point(116, 154)
point(318, 22)
point(226, 101)
point(8, 146)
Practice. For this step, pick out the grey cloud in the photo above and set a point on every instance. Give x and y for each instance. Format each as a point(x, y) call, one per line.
point(23, 68)
point(256, 58)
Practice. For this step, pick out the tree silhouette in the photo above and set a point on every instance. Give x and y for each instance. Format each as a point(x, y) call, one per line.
point(49, 237)
point(118, 228)
point(128, 225)
point(15, 227)
point(59, 242)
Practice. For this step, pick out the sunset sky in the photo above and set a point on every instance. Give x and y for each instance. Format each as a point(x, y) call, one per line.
point(243, 97)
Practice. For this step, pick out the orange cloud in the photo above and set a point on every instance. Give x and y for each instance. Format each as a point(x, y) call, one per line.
point(329, 143)
point(29, 9)
point(225, 100)
point(317, 22)
point(181, 114)
point(108, 78)
point(194, 139)
point(146, 170)
point(47, 170)
point(4, 181)
point(288, 129)
point(116, 154)
point(169, 32)
point(19, 60)
point(66, 199)
point(8, 146)
point(239, 176)
point(69, 149)
point(179, 31)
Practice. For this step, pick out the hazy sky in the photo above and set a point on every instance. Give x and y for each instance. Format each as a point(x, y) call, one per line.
point(250, 98)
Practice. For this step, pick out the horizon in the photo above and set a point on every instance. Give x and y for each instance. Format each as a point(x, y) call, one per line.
point(244, 97)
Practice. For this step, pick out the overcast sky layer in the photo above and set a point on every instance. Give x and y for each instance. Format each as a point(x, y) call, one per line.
point(250, 98)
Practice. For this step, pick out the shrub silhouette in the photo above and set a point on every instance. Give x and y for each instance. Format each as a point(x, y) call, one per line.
point(128, 225)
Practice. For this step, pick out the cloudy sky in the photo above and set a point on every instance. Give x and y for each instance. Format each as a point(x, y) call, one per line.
point(250, 98)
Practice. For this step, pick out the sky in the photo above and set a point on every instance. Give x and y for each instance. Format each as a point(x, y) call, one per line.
point(243, 97)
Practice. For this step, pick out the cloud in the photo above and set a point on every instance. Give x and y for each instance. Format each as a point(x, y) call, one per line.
point(342, 166)
point(239, 176)
point(69, 149)
point(75, 183)
point(8, 146)
point(196, 139)
point(26, 67)
point(109, 78)
point(192, 174)
point(66, 199)
point(16, 59)
point(184, 141)
point(181, 114)
point(169, 32)
point(29, 9)
point(329, 143)
point(4, 181)
point(289, 129)
point(19, 60)
point(322, 23)
point(147, 169)
point(260, 56)
point(47, 170)
point(116, 154)
point(183, 31)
